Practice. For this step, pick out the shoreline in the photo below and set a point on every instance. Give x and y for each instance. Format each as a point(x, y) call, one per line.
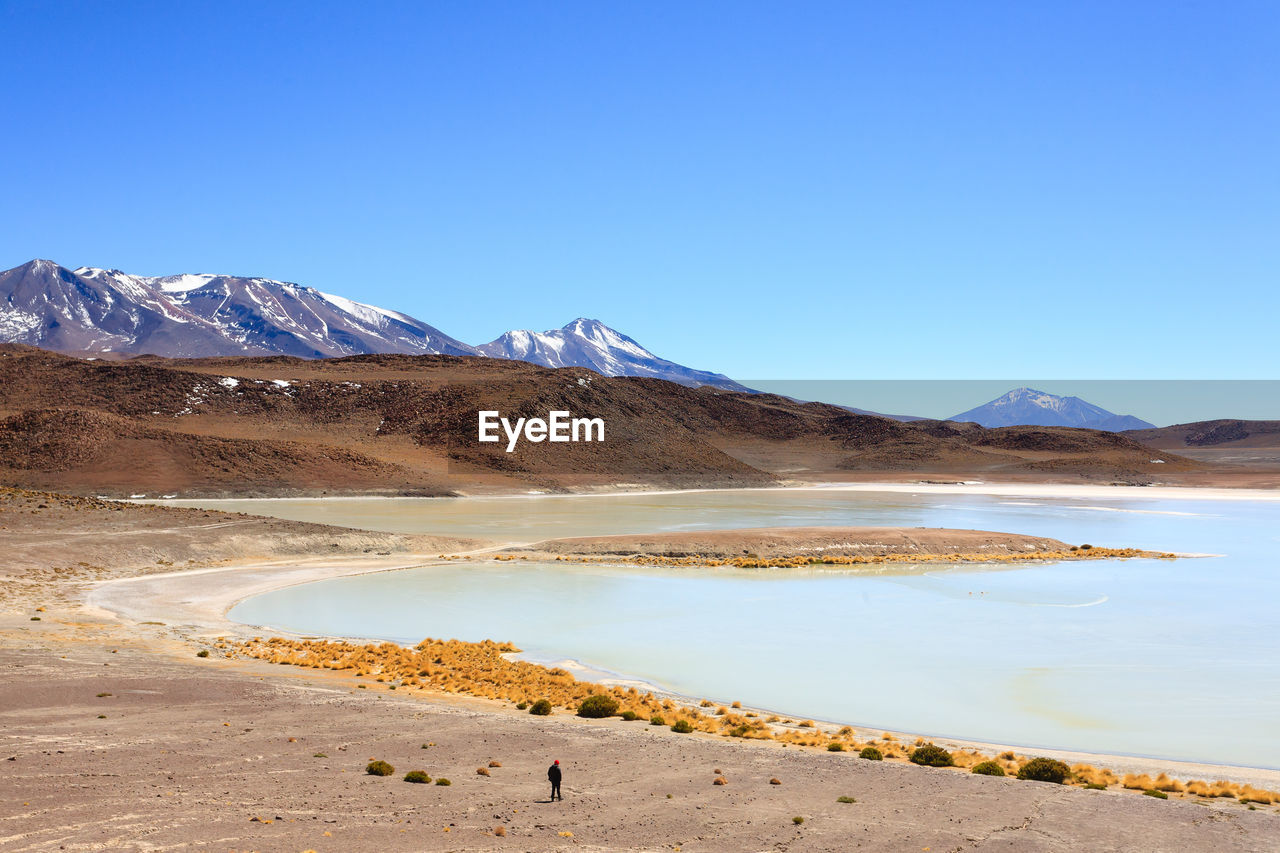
point(167, 738)
point(193, 610)
point(998, 489)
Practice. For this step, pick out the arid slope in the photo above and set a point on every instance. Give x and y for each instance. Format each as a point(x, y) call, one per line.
point(407, 425)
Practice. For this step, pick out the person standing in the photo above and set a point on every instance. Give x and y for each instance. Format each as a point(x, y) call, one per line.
point(553, 774)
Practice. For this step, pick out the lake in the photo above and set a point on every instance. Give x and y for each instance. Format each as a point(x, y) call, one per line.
point(1174, 659)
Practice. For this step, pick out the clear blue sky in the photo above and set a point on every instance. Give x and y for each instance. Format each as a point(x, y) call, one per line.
point(786, 190)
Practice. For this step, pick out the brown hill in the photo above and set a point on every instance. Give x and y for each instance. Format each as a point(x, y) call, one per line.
point(1219, 433)
point(46, 448)
point(396, 424)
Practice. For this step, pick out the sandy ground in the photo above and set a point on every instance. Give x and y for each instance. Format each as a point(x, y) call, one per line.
point(189, 753)
point(781, 542)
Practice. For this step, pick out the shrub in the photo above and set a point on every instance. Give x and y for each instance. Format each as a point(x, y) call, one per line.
point(720, 780)
point(775, 781)
point(379, 768)
point(443, 781)
point(541, 708)
point(598, 706)
point(1044, 770)
point(1095, 786)
point(520, 706)
point(482, 771)
point(657, 720)
point(1159, 795)
point(797, 820)
point(835, 746)
point(988, 768)
point(418, 777)
point(495, 763)
point(871, 754)
point(203, 653)
point(102, 716)
point(629, 715)
point(319, 755)
point(845, 800)
point(682, 727)
point(931, 755)
point(500, 831)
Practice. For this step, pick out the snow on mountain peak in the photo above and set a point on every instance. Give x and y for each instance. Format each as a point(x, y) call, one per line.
point(207, 314)
point(1028, 406)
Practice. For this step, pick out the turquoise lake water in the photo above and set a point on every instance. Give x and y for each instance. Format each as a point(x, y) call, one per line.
point(1176, 659)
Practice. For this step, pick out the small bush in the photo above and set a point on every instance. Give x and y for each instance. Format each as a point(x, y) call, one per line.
point(845, 800)
point(541, 708)
point(495, 763)
point(101, 695)
point(418, 777)
point(520, 706)
point(443, 781)
point(35, 619)
point(797, 820)
point(657, 720)
point(775, 781)
point(931, 755)
point(500, 831)
point(1044, 770)
point(482, 771)
point(682, 727)
point(1095, 786)
point(871, 754)
point(720, 780)
point(319, 755)
point(988, 768)
point(629, 715)
point(835, 746)
point(598, 706)
point(102, 716)
point(1159, 795)
point(379, 768)
point(203, 653)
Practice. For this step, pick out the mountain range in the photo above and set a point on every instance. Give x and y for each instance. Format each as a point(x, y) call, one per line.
point(1029, 407)
point(94, 310)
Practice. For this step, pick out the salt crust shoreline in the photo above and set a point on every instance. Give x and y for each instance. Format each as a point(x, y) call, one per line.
point(1027, 490)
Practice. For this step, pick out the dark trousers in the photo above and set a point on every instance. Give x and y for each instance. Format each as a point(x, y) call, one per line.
point(555, 791)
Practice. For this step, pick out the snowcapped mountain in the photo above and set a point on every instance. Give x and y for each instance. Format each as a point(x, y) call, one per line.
point(1027, 406)
point(98, 310)
point(592, 344)
point(189, 316)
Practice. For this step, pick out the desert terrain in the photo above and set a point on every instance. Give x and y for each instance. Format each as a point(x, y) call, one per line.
point(118, 736)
